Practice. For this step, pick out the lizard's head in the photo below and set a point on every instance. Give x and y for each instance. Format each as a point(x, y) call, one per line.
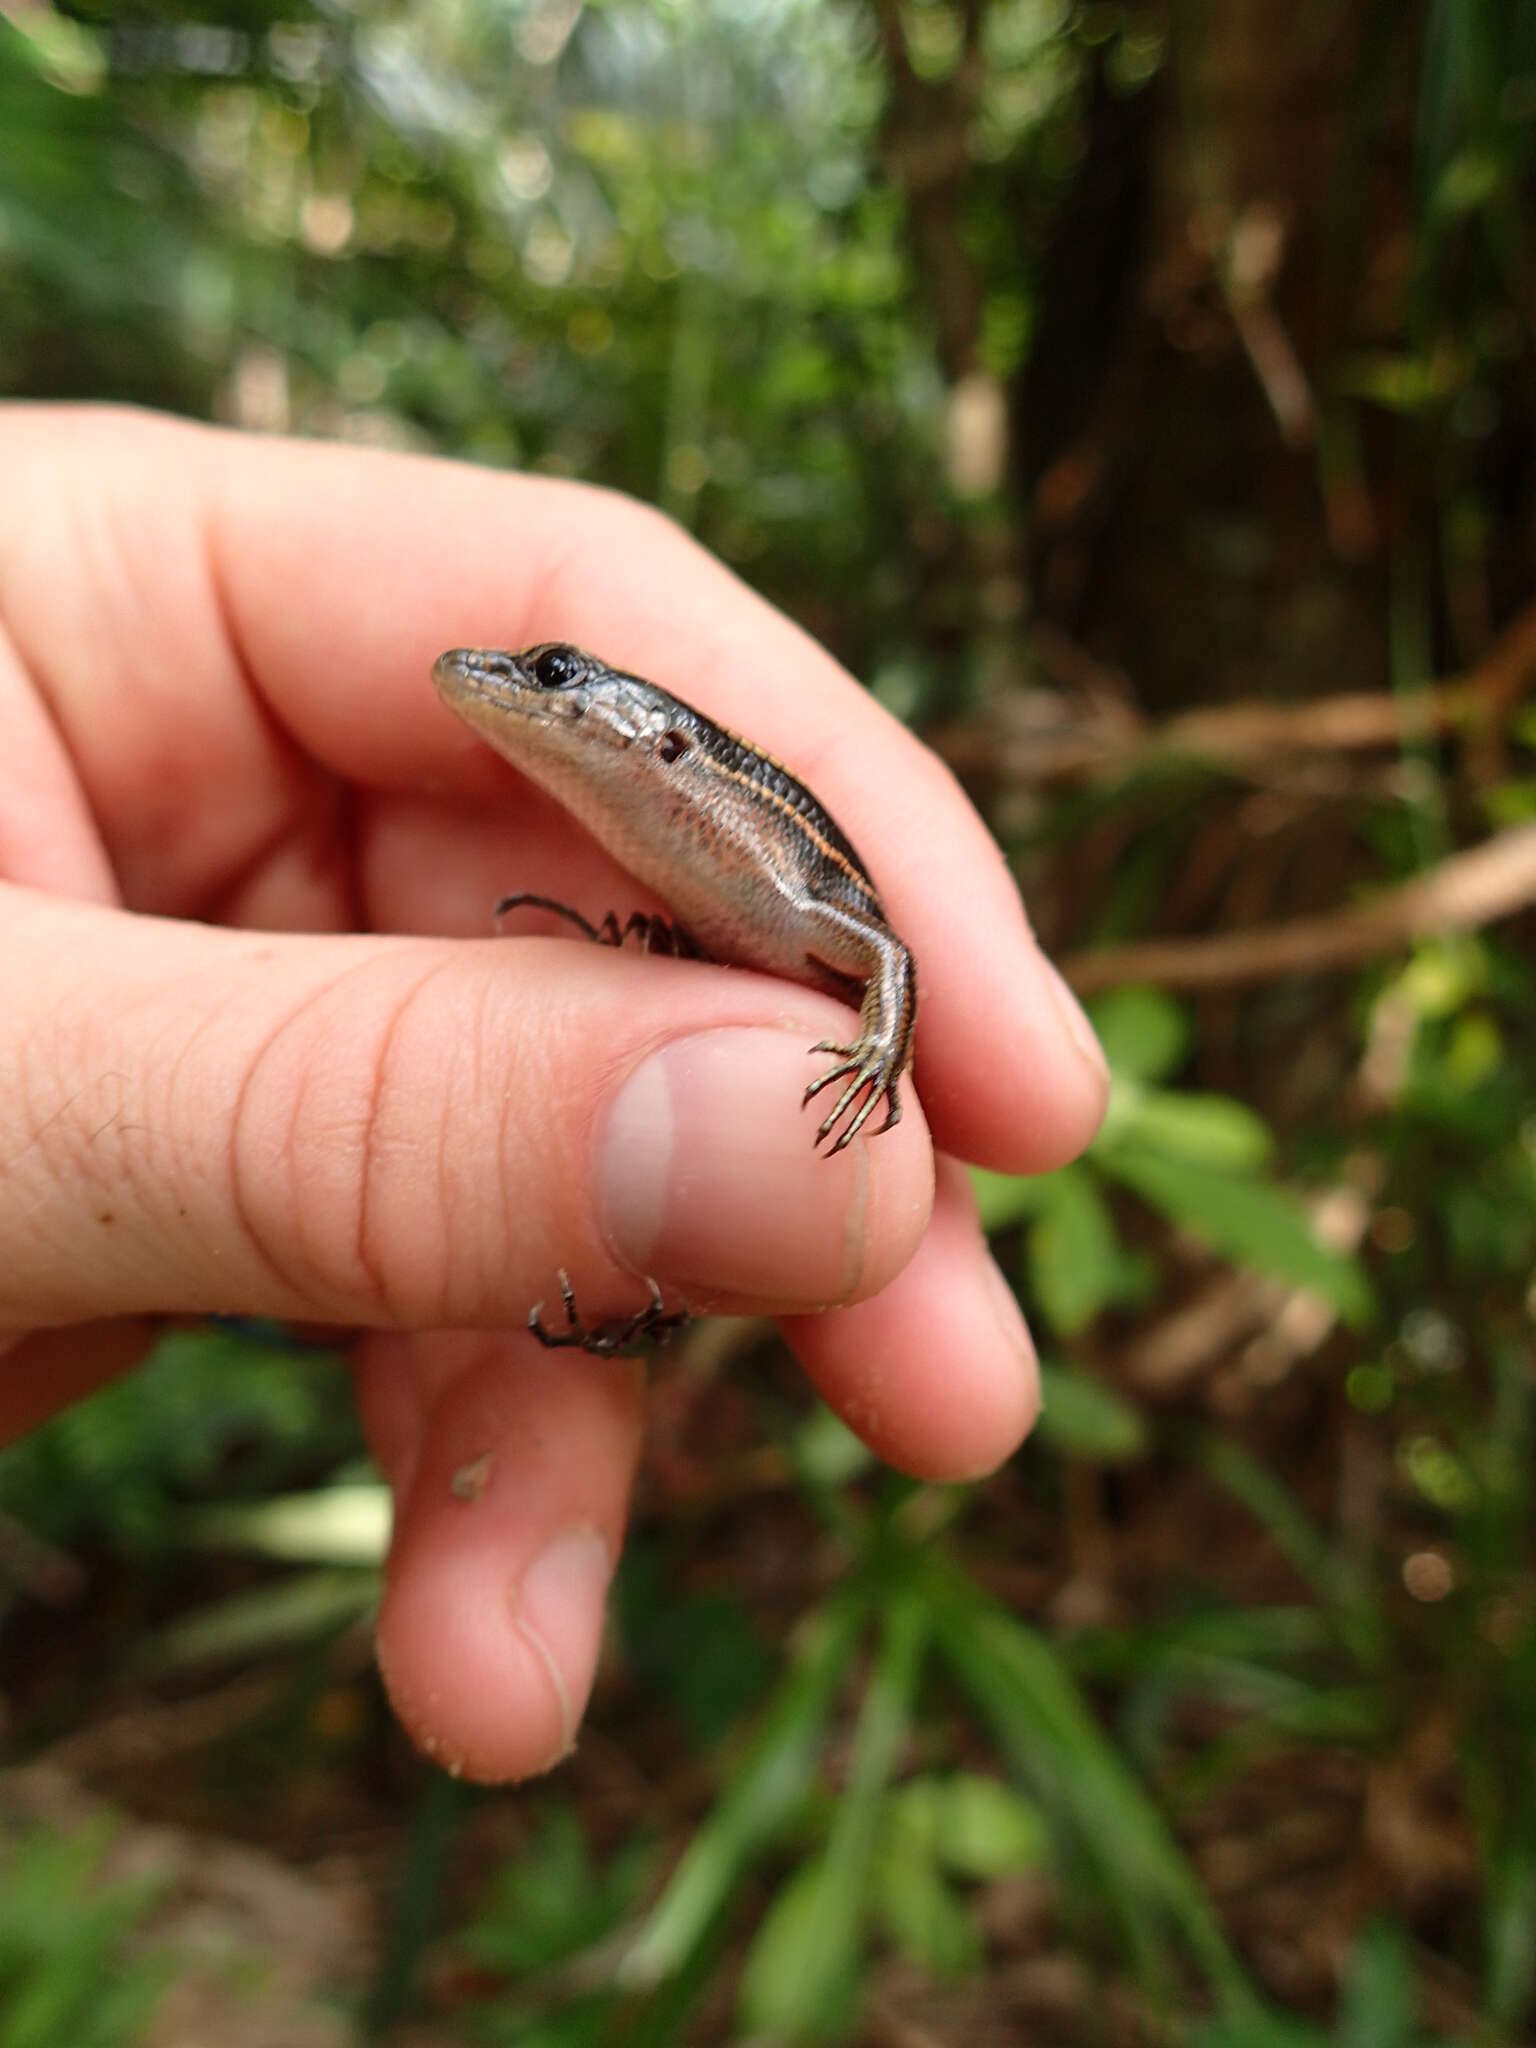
point(550, 701)
point(541, 682)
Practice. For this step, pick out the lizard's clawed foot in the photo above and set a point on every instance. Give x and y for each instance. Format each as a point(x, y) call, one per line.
point(875, 1072)
point(653, 1324)
point(655, 934)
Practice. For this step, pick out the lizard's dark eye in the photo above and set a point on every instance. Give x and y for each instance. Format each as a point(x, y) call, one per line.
point(556, 668)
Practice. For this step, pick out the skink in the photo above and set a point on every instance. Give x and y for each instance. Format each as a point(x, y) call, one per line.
point(755, 871)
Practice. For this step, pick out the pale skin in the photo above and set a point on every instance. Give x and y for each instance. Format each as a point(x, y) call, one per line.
point(258, 1053)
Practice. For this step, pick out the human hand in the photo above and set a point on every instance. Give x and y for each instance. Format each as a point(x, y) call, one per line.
point(249, 1064)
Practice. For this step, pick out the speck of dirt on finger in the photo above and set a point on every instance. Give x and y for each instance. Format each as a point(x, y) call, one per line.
point(471, 1480)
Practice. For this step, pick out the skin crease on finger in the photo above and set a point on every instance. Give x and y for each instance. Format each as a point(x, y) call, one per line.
point(936, 1372)
point(326, 1133)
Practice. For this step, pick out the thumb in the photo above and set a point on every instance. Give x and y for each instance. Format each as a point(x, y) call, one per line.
point(413, 1133)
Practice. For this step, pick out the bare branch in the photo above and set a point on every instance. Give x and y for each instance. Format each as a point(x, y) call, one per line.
point(1114, 741)
point(1466, 891)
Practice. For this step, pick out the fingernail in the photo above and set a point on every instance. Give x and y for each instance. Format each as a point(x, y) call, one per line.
point(1075, 1018)
point(707, 1173)
point(559, 1614)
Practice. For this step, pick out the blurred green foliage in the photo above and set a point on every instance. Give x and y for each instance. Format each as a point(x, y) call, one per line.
point(636, 244)
point(72, 1974)
point(235, 1412)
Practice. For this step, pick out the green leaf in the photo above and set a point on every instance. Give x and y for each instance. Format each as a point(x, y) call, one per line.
point(304, 1607)
point(826, 1452)
point(1263, 2030)
point(1210, 1130)
point(695, 1648)
point(1401, 383)
point(1441, 978)
point(552, 1901)
point(773, 1975)
point(584, 2022)
point(766, 1790)
point(1003, 1199)
point(1076, 1263)
point(1144, 1032)
point(923, 1916)
point(1310, 1551)
point(74, 1966)
point(1468, 182)
point(1251, 1222)
point(1082, 1418)
point(1509, 1922)
point(804, 1963)
point(986, 1829)
point(1509, 803)
point(1049, 1736)
point(64, 52)
point(975, 1825)
point(1376, 2008)
point(333, 1525)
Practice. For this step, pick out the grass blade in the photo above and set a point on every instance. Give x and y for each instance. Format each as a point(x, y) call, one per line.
point(803, 1967)
point(1051, 1739)
point(762, 1797)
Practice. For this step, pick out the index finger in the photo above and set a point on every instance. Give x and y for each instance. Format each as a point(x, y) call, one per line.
point(339, 574)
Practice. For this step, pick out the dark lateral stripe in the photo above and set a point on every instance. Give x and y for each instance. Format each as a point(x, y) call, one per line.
point(832, 847)
point(740, 757)
point(747, 764)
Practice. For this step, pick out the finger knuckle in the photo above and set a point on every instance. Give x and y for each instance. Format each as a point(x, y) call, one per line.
point(339, 1152)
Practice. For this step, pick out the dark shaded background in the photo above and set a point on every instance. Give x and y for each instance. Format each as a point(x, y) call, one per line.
point(1141, 400)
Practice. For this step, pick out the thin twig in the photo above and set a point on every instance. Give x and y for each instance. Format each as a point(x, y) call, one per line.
point(1115, 741)
point(1247, 271)
point(1465, 891)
